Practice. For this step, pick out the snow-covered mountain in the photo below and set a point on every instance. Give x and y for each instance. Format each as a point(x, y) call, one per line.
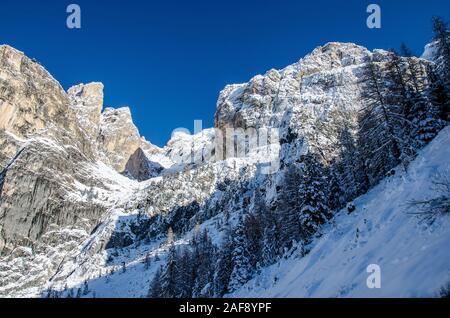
point(89, 208)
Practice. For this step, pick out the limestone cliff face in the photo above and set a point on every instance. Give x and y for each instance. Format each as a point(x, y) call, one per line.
point(140, 168)
point(36, 190)
point(86, 101)
point(50, 142)
point(323, 80)
point(305, 100)
point(30, 98)
point(118, 138)
point(32, 103)
point(111, 131)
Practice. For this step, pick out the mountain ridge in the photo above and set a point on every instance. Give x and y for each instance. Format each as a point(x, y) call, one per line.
point(87, 224)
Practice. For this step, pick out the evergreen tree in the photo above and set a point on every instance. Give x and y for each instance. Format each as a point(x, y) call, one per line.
point(426, 123)
point(377, 141)
point(350, 169)
point(185, 275)
point(85, 288)
point(147, 261)
point(204, 265)
point(288, 207)
point(438, 95)
point(155, 290)
point(168, 277)
point(442, 38)
point(270, 244)
point(441, 81)
point(399, 101)
point(241, 272)
point(336, 197)
point(253, 235)
point(314, 210)
point(423, 115)
point(223, 267)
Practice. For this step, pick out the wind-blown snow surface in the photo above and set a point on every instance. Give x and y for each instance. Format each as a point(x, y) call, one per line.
point(414, 257)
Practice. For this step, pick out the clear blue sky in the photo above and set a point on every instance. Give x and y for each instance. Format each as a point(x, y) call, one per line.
point(168, 60)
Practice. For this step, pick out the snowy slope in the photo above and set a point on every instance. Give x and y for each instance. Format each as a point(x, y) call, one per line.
point(414, 257)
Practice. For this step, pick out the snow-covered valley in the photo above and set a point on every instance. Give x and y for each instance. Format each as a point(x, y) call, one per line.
point(90, 208)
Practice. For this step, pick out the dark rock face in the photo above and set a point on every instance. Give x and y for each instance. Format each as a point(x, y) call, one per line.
point(140, 168)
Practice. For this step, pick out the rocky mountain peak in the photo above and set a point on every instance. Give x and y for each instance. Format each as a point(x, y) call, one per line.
point(331, 56)
point(88, 95)
point(140, 168)
point(11, 57)
point(86, 100)
point(118, 137)
point(314, 83)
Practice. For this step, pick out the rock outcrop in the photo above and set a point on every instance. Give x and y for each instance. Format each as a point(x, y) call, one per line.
point(140, 168)
point(86, 101)
point(50, 143)
point(323, 80)
point(32, 103)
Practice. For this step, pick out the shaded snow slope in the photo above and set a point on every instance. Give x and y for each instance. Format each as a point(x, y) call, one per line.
point(414, 257)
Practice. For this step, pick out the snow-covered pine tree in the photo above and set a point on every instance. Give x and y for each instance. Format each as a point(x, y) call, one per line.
point(350, 167)
point(438, 95)
point(223, 266)
point(377, 141)
point(168, 277)
point(203, 259)
point(242, 270)
point(426, 123)
point(399, 102)
point(442, 37)
point(288, 207)
point(314, 210)
point(442, 78)
point(253, 234)
point(336, 198)
point(85, 288)
point(185, 274)
point(147, 261)
point(155, 290)
point(266, 240)
point(270, 244)
point(423, 115)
